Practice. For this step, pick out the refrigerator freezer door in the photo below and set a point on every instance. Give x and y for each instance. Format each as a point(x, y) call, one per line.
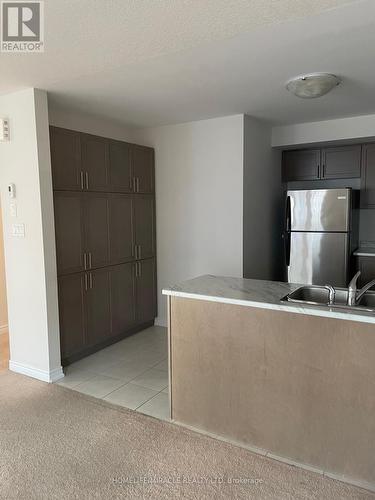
point(320, 210)
point(319, 258)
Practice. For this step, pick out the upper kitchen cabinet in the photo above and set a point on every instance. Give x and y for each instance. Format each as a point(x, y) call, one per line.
point(120, 171)
point(66, 159)
point(368, 176)
point(301, 165)
point(95, 162)
point(341, 162)
point(142, 169)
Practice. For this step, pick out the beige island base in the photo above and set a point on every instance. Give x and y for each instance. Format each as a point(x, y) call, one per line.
point(300, 387)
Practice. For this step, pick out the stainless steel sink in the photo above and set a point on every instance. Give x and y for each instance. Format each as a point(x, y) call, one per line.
point(319, 296)
point(368, 300)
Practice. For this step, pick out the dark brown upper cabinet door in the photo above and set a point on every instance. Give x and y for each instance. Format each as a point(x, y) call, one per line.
point(69, 232)
point(145, 290)
point(122, 298)
point(341, 162)
point(72, 316)
point(120, 177)
point(95, 158)
point(121, 241)
point(368, 176)
point(98, 306)
point(143, 169)
point(144, 226)
point(96, 217)
point(302, 165)
point(66, 159)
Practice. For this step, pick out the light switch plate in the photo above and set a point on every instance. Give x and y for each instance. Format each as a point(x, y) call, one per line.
point(18, 230)
point(4, 130)
point(13, 209)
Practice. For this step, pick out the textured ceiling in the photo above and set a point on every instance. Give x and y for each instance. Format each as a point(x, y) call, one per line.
point(150, 62)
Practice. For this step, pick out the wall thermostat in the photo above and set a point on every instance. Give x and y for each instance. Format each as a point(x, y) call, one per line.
point(12, 190)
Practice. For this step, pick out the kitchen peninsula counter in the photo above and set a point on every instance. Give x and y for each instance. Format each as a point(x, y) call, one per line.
point(258, 293)
point(294, 382)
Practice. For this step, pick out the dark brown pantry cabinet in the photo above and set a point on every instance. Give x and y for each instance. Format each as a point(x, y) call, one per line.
point(105, 239)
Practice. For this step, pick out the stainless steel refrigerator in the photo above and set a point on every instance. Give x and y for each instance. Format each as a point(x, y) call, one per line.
point(319, 236)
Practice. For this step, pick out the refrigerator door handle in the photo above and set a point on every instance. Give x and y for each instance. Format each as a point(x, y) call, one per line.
point(287, 238)
point(288, 215)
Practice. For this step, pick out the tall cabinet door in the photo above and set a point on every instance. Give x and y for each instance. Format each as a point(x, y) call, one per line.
point(145, 290)
point(122, 298)
point(144, 226)
point(368, 176)
point(143, 169)
point(98, 307)
point(121, 241)
point(120, 178)
point(96, 229)
point(66, 159)
point(95, 162)
point(72, 318)
point(69, 232)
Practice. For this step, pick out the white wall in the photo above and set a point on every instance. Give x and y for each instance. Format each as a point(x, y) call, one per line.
point(30, 261)
point(90, 124)
point(3, 296)
point(343, 129)
point(199, 190)
point(262, 203)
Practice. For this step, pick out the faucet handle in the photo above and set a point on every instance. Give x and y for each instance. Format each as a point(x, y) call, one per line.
point(331, 294)
point(353, 282)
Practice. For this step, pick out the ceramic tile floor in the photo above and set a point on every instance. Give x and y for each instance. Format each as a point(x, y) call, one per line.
point(132, 373)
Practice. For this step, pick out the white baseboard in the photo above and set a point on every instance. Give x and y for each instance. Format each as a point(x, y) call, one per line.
point(44, 376)
point(3, 329)
point(161, 322)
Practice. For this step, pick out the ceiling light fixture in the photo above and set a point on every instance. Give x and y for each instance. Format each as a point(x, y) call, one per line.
point(312, 85)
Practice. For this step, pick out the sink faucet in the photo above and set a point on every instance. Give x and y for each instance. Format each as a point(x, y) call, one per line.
point(354, 296)
point(331, 294)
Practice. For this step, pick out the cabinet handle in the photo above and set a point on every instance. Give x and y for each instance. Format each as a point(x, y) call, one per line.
point(137, 184)
point(82, 181)
point(323, 170)
point(85, 260)
point(90, 281)
point(139, 251)
point(134, 185)
point(86, 284)
point(140, 269)
point(87, 181)
point(136, 269)
point(90, 260)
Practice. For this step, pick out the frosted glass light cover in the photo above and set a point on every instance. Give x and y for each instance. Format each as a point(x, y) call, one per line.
point(312, 85)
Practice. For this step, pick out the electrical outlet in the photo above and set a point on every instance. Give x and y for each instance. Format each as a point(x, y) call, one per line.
point(18, 230)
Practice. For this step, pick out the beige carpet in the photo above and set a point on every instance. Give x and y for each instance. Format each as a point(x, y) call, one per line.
point(59, 444)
